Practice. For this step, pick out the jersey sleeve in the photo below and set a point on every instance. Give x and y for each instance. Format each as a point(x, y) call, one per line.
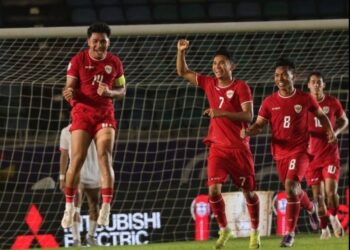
point(120, 68)
point(245, 94)
point(264, 111)
point(202, 80)
point(313, 104)
point(339, 111)
point(73, 67)
point(64, 139)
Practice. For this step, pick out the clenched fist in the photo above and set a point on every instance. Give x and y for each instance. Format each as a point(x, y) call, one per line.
point(68, 93)
point(103, 90)
point(183, 44)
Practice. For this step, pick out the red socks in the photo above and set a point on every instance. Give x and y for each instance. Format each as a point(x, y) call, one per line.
point(107, 195)
point(253, 209)
point(70, 194)
point(332, 211)
point(305, 201)
point(292, 213)
point(323, 221)
point(217, 206)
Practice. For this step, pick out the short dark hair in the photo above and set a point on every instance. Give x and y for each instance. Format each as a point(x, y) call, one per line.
point(224, 52)
point(285, 62)
point(99, 28)
point(315, 73)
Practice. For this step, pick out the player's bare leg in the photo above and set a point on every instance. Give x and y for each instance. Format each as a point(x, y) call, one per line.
point(80, 144)
point(319, 197)
point(217, 205)
point(76, 224)
point(92, 195)
point(104, 140)
point(333, 204)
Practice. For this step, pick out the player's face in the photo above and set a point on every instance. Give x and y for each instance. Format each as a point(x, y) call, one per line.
point(222, 67)
point(98, 45)
point(316, 85)
point(284, 78)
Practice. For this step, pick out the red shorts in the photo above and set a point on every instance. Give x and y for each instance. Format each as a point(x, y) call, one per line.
point(317, 172)
point(233, 162)
point(92, 120)
point(293, 167)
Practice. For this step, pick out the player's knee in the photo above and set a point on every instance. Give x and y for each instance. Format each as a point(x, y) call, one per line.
point(78, 160)
point(293, 189)
point(214, 191)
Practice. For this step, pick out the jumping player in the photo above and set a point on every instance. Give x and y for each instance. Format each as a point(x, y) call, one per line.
point(94, 78)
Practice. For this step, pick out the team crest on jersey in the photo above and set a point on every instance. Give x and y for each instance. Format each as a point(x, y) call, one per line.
point(298, 108)
point(325, 109)
point(108, 69)
point(230, 93)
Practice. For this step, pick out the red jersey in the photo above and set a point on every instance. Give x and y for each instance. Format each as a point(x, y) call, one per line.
point(230, 98)
point(288, 118)
point(318, 145)
point(89, 72)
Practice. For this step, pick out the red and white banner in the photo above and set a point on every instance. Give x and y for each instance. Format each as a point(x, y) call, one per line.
point(200, 210)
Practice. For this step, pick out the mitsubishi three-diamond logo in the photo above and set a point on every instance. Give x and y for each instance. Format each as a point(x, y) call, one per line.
point(34, 220)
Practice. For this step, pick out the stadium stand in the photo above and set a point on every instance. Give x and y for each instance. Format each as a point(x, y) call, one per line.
point(26, 13)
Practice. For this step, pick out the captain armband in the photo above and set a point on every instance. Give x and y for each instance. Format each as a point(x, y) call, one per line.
point(120, 82)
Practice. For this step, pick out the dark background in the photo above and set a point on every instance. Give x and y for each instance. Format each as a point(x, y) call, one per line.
point(26, 13)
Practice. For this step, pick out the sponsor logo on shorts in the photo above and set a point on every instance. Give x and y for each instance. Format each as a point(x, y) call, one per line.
point(215, 178)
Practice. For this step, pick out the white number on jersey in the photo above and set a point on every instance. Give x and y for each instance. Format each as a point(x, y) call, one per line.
point(286, 121)
point(331, 169)
point(221, 101)
point(242, 180)
point(317, 123)
point(97, 78)
point(292, 164)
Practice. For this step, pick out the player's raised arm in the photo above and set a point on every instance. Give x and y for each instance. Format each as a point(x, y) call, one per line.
point(181, 65)
point(255, 129)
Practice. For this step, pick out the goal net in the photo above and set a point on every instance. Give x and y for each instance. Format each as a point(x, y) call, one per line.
point(159, 158)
